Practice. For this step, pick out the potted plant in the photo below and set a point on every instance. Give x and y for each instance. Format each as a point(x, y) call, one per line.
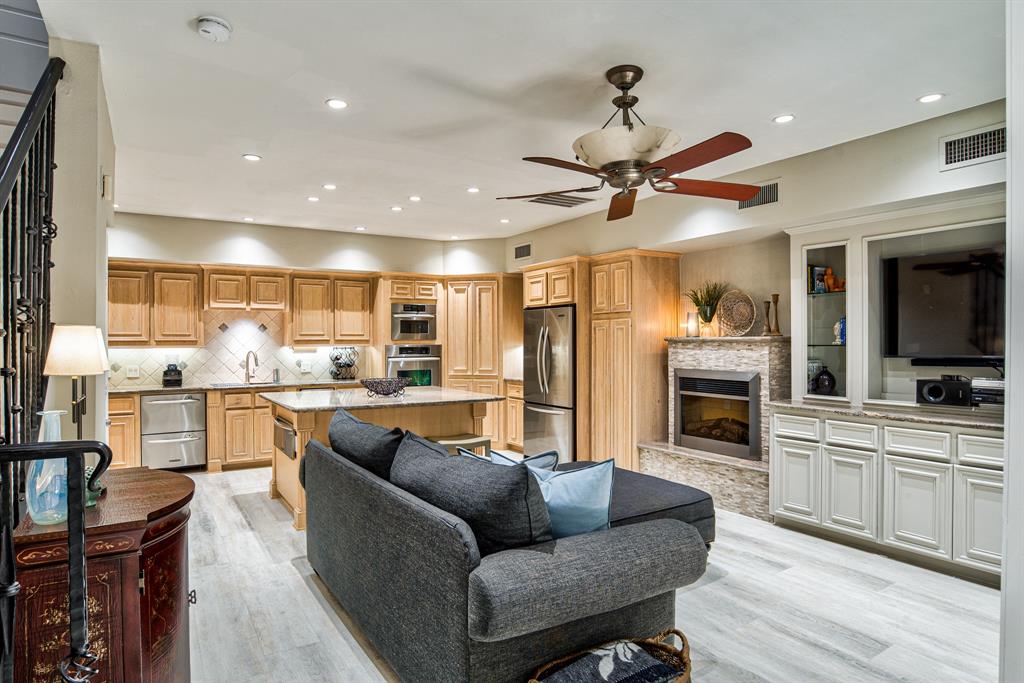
point(706, 298)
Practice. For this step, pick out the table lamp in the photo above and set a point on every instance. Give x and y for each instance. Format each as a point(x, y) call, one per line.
point(76, 351)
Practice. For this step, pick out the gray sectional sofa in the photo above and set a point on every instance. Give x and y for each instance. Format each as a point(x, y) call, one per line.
point(412, 577)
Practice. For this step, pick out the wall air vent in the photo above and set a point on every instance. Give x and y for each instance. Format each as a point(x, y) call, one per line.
point(769, 194)
point(972, 147)
point(523, 251)
point(564, 200)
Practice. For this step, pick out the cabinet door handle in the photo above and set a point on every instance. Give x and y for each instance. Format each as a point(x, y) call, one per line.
point(192, 597)
point(182, 440)
point(173, 401)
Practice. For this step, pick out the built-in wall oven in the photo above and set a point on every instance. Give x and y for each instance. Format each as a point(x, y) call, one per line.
point(413, 322)
point(421, 363)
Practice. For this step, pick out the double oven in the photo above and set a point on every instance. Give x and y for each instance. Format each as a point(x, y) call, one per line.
point(413, 322)
point(420, 362)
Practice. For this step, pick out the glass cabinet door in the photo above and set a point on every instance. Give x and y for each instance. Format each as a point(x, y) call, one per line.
point(826, 321)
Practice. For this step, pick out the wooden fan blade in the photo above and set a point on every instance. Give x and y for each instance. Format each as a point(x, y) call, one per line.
point(711, 188)
point(705, 152)
point(621, 205)
point(558, 163)
point(595, 188)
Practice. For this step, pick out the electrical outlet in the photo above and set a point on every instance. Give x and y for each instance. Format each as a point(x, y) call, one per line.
point(131, 371)
point(305, 366)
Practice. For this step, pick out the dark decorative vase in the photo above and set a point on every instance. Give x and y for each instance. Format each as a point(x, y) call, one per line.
point(824, 382)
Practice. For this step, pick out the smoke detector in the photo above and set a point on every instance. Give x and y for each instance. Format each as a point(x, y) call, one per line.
point(214, 29)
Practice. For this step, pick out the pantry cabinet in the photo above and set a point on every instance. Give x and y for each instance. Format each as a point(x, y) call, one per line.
point(474, 341)
point(612, 434)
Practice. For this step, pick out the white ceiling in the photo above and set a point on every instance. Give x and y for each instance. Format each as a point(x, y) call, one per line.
point(444, 95)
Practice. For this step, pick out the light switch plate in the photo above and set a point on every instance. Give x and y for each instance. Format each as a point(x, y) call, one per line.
point(305, 366)
point(131, 371)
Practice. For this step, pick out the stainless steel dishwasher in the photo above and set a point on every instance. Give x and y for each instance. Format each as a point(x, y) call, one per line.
point(173, 430)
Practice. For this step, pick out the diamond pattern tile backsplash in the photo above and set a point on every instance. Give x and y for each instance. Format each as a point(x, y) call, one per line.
point(229, 335)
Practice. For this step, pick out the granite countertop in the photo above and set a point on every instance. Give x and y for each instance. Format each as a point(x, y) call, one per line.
point(315, 400)
point(968, 418)
point(223, 386)
point(738, 340)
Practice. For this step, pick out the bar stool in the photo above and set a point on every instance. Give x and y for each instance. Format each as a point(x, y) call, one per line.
point(467, 441)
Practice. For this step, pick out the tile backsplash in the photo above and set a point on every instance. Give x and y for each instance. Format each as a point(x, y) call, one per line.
point(229, 335)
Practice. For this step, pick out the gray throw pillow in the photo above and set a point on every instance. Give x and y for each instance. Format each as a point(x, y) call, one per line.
point(503, 505)
point(370, 446)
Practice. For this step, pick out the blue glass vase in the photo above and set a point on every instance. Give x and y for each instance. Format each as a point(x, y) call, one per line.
point(46, 486)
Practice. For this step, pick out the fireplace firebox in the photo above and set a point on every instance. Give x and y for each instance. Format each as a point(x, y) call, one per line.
point(719, 411)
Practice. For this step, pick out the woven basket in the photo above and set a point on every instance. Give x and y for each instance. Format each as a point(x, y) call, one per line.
point(678, 658)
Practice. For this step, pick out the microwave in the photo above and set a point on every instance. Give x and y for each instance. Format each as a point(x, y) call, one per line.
point(413, 322)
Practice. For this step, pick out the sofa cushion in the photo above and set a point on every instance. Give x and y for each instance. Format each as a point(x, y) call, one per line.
point(529, 589)
point(503, 505)
point(577, 499)
point(639, 497)
point(545, 461)
point(367, 445)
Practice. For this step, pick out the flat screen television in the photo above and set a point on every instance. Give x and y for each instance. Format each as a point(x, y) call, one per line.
point(946, 308)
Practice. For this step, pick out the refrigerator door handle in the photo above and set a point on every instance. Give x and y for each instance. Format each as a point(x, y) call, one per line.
point(541, 358)
point(546, 411)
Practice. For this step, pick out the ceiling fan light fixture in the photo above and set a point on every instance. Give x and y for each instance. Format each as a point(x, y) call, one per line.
point(605, 146)
point(783, 118)
point(664, 185)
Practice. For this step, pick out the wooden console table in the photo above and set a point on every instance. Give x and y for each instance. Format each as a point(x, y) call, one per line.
point(137, 550)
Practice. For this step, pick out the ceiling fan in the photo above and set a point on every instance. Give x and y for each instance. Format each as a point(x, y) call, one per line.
point(621, 156)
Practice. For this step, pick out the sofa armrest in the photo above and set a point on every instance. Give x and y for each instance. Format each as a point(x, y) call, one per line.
point(520, 591)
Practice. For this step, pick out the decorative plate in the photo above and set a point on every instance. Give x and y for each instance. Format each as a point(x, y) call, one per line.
point(385, 386)
point(736, 313)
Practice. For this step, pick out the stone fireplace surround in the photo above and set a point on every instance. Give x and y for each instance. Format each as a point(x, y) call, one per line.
point(736, 484)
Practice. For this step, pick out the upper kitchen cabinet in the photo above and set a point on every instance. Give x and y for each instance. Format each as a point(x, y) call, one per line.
point(150, 304)
point(312, 311)
point(418, 290)
point(554, 283)
point(352, 311)
point(128, 306)
point(611, 287)
point(245, 289)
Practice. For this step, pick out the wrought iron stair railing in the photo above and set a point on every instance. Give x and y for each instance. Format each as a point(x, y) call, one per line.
point(27, 231)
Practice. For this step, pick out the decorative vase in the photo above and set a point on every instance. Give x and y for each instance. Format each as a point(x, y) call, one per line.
point(46, 486)
point(707, 317)
point(776, 330)
point(824, 382)
point(767, 329)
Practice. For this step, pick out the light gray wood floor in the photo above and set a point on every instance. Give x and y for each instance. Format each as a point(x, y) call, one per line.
point(774, 605)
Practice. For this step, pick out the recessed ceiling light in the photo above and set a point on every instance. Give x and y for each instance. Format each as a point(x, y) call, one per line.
point(396, 209)
point(783, 118)
point(930, 97)
point(503, 220)
point(312, 199)
point(360, 228)
point(335, 103)
point(455, 237)
point(117, 206)
point(472, 190)
point(329, 186)
point(251, 157)
point(415, 198)
point(248, 219)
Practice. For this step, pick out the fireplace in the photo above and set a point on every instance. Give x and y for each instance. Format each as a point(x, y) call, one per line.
point(718, 411)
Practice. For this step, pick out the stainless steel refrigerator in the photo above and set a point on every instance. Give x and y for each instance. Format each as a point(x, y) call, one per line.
point(549, 381)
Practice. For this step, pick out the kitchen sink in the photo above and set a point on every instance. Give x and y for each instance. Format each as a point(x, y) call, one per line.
point(237, 385)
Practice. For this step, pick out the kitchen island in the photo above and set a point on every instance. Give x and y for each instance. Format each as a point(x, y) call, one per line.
point(305, 415)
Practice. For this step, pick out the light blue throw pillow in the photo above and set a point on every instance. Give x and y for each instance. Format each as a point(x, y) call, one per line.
point(544, 461)
point(578, 499)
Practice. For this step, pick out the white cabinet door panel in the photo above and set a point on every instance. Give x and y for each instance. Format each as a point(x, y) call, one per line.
point(796, 427)
point(797, 483)
point(849, 491)
point(980, 451)
point(917, 513)
point(852, 434)
point(978, 518)
point(918, 443)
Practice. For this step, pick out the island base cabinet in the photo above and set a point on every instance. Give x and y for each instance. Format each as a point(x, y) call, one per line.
point(917, 506)
point(796, 484)
point(978, 518)
point(849, 491)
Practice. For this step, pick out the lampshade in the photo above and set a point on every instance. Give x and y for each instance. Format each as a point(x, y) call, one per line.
point(76, 350)
point(618, 143)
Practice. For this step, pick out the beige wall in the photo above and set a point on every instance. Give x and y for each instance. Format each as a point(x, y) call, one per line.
point(84, 154)
point(759, 268)
point(882, 171)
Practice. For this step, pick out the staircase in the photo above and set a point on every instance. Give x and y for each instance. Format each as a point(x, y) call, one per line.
point(12, 103)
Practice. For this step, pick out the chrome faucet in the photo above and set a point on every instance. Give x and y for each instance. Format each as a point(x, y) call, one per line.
point(249, 374)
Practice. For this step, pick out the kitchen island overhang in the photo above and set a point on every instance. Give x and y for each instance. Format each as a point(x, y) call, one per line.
point(427, 411)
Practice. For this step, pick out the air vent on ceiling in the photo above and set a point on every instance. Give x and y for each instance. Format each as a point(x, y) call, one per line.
point(972, 147)
point(564, 200)
point(523, 251)
point(769, 194)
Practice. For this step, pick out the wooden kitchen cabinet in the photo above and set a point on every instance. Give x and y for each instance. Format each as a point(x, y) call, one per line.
point(554, 284)
point(611, 395)
point(312, 311)
point(263, 433)
point(561, 286)
point(352, 311)
point(239, 433)
point(459, 350)
point(227, 290)
point(124, 438)
point(474, 342)
point(514, 416)
point(176, 308)
point(244, 289)
point(611, 287)
point(128, 306)
point(268, 292)
point(535, 289)
point(420, 290)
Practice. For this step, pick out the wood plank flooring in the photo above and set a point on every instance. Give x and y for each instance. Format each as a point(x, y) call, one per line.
point(774, 605)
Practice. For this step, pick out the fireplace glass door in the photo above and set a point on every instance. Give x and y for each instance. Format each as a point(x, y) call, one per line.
point(721, 419)
point(719, 411)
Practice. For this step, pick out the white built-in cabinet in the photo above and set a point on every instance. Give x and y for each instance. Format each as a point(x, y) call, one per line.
point(929, 491)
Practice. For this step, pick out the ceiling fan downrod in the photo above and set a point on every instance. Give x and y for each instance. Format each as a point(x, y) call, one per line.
point(624, 77)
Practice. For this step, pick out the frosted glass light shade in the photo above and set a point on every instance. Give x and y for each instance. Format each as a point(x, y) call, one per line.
point(76, 351)
point(617, 143)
